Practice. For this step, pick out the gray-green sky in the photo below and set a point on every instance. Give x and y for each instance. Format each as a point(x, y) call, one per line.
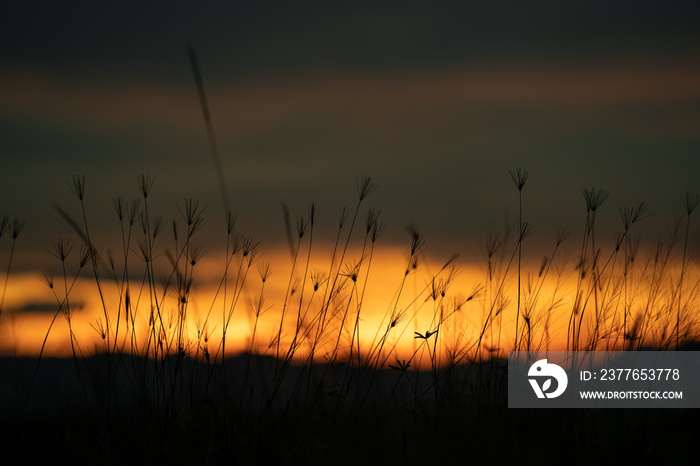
point(434, 100)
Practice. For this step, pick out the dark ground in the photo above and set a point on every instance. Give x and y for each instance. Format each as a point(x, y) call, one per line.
point(380, 417)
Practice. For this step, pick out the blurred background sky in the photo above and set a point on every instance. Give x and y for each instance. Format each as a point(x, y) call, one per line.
point(435, 100)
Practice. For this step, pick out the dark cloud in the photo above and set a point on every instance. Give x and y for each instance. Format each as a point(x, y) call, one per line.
point(264, 37)
point(436, 100)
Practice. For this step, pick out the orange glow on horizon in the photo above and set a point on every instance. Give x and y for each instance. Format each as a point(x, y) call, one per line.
point(470, 300)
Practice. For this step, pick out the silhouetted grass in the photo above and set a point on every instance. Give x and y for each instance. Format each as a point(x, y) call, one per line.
point(160, 390)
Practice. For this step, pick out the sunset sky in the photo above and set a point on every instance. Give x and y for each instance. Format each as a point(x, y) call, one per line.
point(261, 345)
point(436, 101)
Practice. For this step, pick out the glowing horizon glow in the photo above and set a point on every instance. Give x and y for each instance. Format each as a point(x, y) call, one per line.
point(465, 307)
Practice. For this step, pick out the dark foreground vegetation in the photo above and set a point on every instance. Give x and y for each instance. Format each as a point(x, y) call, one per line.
point(318, 394)
point(394, 416)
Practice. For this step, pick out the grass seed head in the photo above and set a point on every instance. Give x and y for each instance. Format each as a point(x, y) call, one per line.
point(264, 270)
point(194, 253)
point(417, 239)
point(365, 187)
point(594, 198)
point(690, 201)
point(77, 185)
point(145, 183)
point(61, 248)
point(46, 276)
point(631, 215)
point(17, 227)
point(119, 205)
point(519, 177)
